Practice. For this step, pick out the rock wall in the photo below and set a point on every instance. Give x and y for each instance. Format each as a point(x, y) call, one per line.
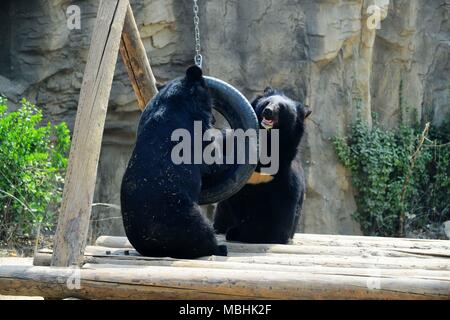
point(322, 52)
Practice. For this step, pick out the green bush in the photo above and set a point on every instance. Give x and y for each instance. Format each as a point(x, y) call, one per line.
point(402, 175)
point(32, 164)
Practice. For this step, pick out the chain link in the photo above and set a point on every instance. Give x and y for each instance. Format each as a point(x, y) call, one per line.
point(198, 59)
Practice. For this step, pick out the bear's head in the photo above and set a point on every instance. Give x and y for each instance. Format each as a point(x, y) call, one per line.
point(189, 92)
point(276, 111)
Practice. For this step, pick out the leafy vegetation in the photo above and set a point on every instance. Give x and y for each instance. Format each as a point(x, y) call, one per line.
point(33, 158)
point(402, 175)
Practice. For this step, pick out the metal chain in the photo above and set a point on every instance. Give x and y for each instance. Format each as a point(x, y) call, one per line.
point(198, 59)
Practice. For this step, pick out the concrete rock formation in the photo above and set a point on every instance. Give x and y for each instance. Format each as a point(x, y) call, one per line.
point(323, 52)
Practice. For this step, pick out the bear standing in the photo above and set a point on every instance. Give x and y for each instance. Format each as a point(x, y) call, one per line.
point(267, 209)
point(159, 198)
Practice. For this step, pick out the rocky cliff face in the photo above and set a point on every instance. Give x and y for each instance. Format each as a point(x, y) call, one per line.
point(322, 52)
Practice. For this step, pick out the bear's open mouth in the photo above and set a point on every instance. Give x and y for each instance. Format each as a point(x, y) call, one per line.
point(267, 124)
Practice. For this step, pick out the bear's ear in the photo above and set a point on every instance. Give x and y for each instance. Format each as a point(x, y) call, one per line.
point(268, 90)
point(194, 73)
point(308, 111)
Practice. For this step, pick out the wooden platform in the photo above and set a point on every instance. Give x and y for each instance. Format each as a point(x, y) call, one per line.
point(312, 267)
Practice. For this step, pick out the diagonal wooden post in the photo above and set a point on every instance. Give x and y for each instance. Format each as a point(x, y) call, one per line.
point(136, 62)
point(73, 222)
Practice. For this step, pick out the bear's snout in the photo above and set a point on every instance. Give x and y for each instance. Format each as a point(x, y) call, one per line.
point(268, 113)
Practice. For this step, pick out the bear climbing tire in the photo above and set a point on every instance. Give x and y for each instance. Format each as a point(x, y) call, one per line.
point(239, 114)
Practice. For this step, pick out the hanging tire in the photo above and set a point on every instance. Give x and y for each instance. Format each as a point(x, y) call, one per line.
point(239, 114)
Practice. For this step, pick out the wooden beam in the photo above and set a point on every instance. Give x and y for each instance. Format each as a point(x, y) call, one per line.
point(81, 174)
point(201, 283)
point(113, 242)
point(93, 262)
point(372, 242)
point(326, 241)
point(311, 259)
point(136, 62)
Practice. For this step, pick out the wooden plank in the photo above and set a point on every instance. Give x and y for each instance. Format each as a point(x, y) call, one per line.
point(313, 250)
point(381, 262)
point(136, 62)
point(199, 283)
point(93, 262)
point(341, 261)
point(81, 174)
point(113, 242)
point(347, 247)
point(361, 241)
point(333, 241)
point(304, 259)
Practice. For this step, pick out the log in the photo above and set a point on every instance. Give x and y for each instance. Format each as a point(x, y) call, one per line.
point(200, 283)
point(300, 239)
point(361, 241)
point(288, 259)
point(340, 261)
point(359, 248)
point(136, 62)
point(113, 242)
point(73, 222)
point(94, 262)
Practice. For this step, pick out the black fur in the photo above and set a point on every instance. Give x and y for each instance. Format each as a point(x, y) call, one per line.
point(269, 212)
point(159, 198)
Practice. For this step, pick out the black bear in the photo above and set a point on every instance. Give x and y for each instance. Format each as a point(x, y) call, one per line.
point(267, 209)
point(159, 197)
